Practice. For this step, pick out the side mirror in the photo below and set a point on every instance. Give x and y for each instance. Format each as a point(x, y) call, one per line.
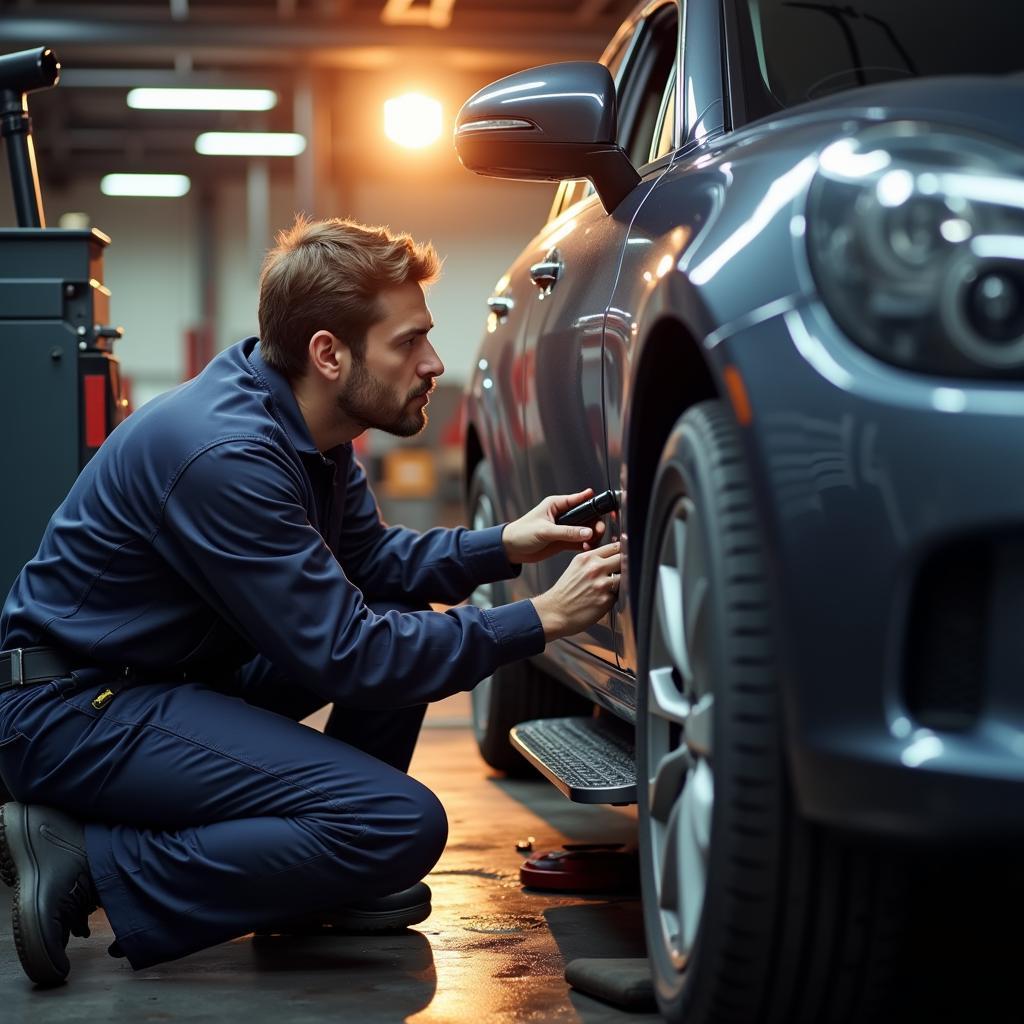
point(548, 124)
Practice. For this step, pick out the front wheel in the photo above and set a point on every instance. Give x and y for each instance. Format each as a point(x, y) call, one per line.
point(750, 914)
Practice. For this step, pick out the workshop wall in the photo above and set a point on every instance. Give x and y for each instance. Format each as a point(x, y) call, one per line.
point(153, 263)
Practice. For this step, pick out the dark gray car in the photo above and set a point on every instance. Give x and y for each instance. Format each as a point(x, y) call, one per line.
point(779, 307)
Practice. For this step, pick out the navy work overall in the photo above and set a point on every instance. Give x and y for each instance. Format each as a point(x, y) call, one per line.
point(212, 577)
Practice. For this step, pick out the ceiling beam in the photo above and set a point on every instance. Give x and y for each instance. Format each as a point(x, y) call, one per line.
point(284, 44)
point(500, 30)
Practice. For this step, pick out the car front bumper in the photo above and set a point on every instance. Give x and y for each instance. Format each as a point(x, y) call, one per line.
point(902, 655)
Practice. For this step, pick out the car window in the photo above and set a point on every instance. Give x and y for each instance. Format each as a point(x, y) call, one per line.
point(867, 42)
point(665, 137)
point(642, 92)
point(614, 62)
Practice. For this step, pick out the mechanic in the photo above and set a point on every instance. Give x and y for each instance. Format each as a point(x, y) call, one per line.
point(218, 571)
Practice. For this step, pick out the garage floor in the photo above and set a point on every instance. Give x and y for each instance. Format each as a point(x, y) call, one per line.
point(489, 952)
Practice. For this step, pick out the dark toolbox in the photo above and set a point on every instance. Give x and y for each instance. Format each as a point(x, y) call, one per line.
point(60, 388)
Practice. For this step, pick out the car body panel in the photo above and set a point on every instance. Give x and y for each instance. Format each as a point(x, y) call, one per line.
point(564, 429)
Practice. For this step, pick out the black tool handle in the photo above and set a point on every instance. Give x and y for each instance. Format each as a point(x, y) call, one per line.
point(590, 510)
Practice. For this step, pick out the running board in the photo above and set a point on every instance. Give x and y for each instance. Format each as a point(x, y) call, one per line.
point(588, 760)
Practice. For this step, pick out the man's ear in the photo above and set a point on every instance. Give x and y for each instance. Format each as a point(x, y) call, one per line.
point(329, 355)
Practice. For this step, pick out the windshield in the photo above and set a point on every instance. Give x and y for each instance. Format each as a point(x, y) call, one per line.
point(798, 50)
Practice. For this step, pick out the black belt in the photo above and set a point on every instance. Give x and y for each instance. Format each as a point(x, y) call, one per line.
point(30, 666)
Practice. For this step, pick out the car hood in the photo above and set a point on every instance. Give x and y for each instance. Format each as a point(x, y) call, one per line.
point(993, 104)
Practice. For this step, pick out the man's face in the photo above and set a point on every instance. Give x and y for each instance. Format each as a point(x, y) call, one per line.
point(388, 388)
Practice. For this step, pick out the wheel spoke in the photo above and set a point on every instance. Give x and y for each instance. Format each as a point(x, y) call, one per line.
point(665, 700)
point(670, 617)
point(696, 611)
point(668, 869)
point(665, 787)
point(699, 727)
point(694, 844)
point(680, 529)
point(695, 601)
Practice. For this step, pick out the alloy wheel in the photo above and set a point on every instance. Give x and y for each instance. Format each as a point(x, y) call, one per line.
point(679, 756)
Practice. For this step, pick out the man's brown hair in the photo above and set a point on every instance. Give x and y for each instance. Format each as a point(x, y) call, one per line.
point(325, 275)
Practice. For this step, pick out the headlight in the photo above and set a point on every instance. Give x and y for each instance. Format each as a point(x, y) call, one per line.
point(916, 242)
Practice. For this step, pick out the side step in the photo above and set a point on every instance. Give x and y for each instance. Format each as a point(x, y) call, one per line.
point(588, 760)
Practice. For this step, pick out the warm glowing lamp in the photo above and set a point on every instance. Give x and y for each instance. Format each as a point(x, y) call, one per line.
point(412, 120)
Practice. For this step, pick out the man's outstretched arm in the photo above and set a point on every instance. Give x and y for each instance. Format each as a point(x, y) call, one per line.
point(446, 565)
point(235, 524)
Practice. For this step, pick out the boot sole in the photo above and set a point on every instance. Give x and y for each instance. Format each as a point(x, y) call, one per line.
point(358, 922)
point(361, 921)
point(21, 873)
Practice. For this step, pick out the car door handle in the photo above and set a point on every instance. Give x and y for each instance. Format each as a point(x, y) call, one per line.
point(500, 306)
point(546, 273)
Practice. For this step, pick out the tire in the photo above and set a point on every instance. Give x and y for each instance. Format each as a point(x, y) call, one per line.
point(750, 913)
point(517, 692)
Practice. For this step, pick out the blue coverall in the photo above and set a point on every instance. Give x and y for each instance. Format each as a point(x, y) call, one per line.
point(231, 568)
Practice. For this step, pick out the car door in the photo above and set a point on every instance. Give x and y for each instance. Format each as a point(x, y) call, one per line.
point(573, 264)
point(690, 116)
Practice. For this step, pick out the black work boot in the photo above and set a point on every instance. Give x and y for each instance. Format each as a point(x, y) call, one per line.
point(42, 857)
point(389, 913)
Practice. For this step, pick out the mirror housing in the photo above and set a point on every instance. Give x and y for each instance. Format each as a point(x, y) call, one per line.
point(548, 124)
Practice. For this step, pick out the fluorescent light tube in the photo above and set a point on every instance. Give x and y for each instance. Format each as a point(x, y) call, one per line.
point(250, 144)
point(202, 99)
point(145, 184)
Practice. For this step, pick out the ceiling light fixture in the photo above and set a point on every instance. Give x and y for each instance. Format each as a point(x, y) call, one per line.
point(412, 120)
point(435, 13)
point(250, 144)
point(202, 99)
point(165, 185)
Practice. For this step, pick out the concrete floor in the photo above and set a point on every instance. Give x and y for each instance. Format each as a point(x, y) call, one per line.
point(490, 951)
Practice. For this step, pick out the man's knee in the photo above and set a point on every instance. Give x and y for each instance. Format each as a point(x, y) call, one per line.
point(433, 828)
point(414, 832)
point(402, 828)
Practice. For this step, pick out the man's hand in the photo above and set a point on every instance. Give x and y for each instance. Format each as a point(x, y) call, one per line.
point(584, 593)
point(535, 536)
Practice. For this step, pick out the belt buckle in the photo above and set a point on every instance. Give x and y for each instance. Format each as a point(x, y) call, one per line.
point(18, 666)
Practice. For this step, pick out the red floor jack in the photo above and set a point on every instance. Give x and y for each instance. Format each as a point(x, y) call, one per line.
point(582, 868)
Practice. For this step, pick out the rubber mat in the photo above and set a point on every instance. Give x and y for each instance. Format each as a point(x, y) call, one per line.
point(625, 983)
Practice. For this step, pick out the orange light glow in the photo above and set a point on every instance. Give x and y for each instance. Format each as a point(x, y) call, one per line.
point(412, 120)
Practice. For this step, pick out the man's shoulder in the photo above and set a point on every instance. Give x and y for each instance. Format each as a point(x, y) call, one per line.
point(225, 401)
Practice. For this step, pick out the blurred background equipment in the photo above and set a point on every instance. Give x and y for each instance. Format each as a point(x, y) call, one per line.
point(62, 391)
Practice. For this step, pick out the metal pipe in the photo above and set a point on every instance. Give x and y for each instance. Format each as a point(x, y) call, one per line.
point(16, 127)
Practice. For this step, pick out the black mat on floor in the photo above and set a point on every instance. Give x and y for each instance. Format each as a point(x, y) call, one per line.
point(625, 983)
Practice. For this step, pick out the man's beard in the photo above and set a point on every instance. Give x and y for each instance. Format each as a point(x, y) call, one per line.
point(368, 402)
